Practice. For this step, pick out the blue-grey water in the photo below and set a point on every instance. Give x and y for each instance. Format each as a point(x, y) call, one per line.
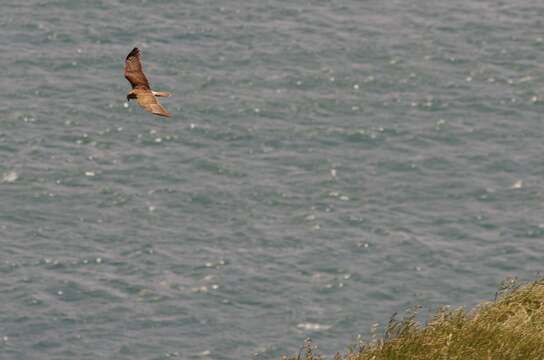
point(328, 163)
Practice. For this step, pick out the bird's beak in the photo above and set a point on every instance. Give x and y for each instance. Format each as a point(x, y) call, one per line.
point(128, 99)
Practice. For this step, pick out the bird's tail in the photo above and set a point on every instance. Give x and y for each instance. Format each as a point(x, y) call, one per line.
point(161, 93)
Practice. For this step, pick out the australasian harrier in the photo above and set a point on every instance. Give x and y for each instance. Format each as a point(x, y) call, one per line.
point(141, 91)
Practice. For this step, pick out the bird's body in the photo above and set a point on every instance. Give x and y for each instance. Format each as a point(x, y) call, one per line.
point(141, 90)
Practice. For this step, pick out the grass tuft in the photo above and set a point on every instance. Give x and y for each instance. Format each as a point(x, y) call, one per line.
point(509, 328)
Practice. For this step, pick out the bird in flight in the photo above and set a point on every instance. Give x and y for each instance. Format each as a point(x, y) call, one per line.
point(141, 91)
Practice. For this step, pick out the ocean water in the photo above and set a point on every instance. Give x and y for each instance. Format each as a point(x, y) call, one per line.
point(328, 163)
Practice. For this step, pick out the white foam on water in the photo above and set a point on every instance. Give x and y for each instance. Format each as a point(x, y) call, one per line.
point(199, 289)
point(204, 353)
point(313, 326)
point(9, 177)
point(517, 185)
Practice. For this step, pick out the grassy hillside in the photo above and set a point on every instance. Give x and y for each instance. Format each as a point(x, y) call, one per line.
point(511, 327)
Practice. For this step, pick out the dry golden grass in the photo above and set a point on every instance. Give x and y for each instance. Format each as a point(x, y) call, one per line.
point(511, 327)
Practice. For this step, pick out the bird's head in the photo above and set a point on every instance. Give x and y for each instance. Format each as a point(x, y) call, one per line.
point(131, 95)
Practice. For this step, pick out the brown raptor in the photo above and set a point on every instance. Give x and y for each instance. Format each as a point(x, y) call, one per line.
point(141, 91)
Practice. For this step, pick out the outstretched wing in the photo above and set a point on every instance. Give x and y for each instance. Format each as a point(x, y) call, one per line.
point(150, 103)
point(134, 72)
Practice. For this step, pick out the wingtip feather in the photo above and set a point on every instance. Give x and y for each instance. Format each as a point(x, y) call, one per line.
point(134, 52)
point(165, 114)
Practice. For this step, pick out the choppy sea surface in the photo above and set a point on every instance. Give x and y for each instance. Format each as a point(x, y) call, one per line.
point(328, 163)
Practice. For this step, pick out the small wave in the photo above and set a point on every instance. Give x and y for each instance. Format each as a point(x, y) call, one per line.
point(9, 177)
point(313, 326)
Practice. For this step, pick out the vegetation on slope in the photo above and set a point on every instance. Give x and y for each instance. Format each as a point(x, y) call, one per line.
point(511, 327)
